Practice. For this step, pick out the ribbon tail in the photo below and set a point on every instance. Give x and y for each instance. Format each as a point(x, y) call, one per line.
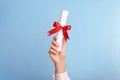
point(65, 35)
point(53, 31)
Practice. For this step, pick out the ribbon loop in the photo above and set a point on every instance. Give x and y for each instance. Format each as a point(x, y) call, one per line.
point(58, 27)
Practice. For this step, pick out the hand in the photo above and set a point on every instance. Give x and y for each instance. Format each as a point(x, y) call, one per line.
point(58, 57)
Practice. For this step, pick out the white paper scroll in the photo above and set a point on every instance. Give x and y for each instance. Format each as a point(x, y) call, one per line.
point(63, 19)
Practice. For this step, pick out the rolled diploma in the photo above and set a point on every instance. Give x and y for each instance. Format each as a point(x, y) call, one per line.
point(63, 19)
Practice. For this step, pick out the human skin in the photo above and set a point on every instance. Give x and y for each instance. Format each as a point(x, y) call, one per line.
point(58, 57)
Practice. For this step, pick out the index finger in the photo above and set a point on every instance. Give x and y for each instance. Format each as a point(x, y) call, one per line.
point(55, 38)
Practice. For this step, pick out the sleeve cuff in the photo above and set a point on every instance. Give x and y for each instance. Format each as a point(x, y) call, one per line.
point(61, 76)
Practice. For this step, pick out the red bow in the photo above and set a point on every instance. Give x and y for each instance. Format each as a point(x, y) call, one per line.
point(58, 27)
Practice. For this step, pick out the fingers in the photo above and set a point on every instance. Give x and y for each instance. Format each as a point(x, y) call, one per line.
point(51, 51)
point(55, 43)
point(54, 46)
point(55, 38)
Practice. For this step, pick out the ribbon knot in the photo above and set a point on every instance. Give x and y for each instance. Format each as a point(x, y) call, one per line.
point(58, 27)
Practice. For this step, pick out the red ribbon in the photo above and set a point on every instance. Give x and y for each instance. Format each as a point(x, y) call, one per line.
point(58, 27)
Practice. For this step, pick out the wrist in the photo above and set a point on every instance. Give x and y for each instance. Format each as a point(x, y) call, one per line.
point(60, 67)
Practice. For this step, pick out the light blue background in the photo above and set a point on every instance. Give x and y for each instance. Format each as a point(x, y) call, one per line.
point(93, 51)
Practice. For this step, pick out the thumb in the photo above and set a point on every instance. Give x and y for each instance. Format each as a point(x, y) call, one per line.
point(63, 44)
